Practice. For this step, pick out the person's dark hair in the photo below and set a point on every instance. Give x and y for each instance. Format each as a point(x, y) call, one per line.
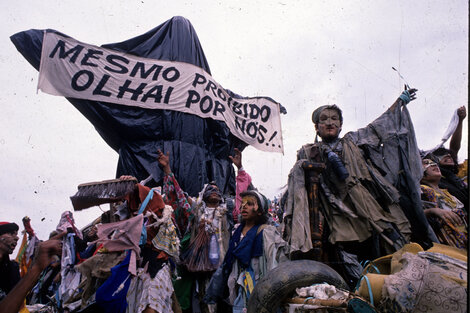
point(317, 112)
point(438, 153)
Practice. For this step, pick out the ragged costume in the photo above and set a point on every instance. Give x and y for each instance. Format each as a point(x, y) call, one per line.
point(376, 208)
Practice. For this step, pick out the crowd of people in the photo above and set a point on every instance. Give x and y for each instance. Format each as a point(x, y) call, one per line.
point(161, 250)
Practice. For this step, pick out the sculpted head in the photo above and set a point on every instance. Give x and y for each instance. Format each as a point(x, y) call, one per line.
point(328, 120)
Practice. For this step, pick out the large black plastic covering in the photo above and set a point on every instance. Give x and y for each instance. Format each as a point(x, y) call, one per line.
point(199, 148)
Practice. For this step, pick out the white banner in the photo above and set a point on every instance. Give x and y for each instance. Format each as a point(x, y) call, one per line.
point(74, 69)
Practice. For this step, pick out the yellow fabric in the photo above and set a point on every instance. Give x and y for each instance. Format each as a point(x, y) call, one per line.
point(463, 171)
point(389, 264)
point(20, 258)
point(248, 282)
point(379, 266)
point(376, 283)
point(24, 309)
point(20, 254)
point(453, 252)
point(386, 265)
point(461, 282)
point(395, 265)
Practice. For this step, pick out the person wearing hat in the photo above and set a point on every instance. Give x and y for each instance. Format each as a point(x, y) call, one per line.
point(362, 188)
point(9, 270)
point(254, 249)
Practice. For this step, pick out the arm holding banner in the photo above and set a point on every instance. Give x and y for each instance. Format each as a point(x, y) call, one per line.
point(454, 145)
point(243, 180)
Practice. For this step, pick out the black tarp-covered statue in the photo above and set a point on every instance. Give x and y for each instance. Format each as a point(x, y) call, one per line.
point(199, 146)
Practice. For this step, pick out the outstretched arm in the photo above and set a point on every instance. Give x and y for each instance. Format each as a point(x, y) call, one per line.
point(456, 138)
point(45, 257)
point(243, 180)
point(172, 192)
point(164, 161)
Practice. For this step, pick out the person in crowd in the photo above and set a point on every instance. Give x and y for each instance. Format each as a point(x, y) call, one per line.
point(173, 195)
point(47, 286)
point(254, 249)
point(136, 251)
point(448, 164)
point(46, 256)
point(243, 182)
point(9, 270)
point(204, 227)
point(151, 290)
point(444, 211)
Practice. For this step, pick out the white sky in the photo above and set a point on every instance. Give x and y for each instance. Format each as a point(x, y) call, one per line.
point(301, 53)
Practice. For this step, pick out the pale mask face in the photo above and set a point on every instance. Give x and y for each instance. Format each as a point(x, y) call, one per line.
point(329, 124)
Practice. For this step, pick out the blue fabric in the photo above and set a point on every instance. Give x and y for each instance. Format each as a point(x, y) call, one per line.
point(143, 205)
point(239, 304)
point(111, 295)
point(251, 246)
point(88, 252)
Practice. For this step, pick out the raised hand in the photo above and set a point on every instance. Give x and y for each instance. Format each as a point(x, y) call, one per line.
point(462, 113)
point(47, 252)
point(409, 94)
point(237, 158)
point(164, 161)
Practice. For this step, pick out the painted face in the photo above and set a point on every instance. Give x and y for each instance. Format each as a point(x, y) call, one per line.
point(329, 124)
point(431, 169)
point(446, 160)
point(8, 242)
point(249, 209)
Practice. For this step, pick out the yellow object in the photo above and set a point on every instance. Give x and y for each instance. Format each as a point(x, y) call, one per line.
point(22, 249)
point(376, 283)
point(386, 265)
point(395, 265)
point(453, 252)
point(463, 171)
point(24, 309)
point(389, 264)
point(21, 257)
